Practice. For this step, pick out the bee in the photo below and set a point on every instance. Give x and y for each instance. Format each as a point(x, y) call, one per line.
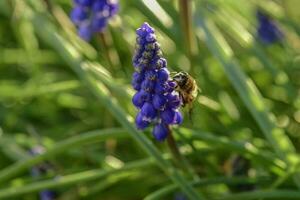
point(187, 88)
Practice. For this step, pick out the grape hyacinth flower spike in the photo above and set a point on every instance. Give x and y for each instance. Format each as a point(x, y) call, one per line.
point(268, 31)
point(92, 16)
point(155, 96)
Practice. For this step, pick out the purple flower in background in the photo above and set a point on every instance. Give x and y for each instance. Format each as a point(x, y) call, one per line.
point(47, 195)
point(267, 31)
point(91, 16)
point(180, 196)
point(155, 96)
point(39, 170)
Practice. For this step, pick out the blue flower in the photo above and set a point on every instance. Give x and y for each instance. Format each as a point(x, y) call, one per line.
point(78, 15)
point(155, 96)
point(84, 2)
point(267, 31)
point(85, 32)
point(47, 195)
point(91, 16)
point(160, 131)
point(40, 170)
point(180, 196)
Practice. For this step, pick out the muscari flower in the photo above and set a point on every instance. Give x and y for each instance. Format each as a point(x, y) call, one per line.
point(267, 31)
point(91, 16)
point(155, 96)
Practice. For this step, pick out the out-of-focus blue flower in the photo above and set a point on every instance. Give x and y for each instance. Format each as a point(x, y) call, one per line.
point(40, 170)
point(47, 195)
point(267, 31)
point(91, 16)
point(155, 96)
point(180, 196)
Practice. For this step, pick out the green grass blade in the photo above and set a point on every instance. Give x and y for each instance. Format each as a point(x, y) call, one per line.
point(274, 194)
point(82, 139)
point(18, 56)
point(246, 149)
point(166, 24)
point(72, 179)
point(161, 193)
point(21, 91)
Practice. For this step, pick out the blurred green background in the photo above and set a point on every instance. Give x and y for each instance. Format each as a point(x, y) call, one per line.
point(73, 98)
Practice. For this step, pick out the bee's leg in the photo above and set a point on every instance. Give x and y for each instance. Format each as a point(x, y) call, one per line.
point(190, 101)
point(182, 100)
point(199, 90)
point(190, 113)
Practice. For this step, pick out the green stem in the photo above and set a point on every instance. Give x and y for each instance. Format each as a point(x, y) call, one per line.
point(173, 147)
point(185, 9)
point(105, 47)
point(178, 157)
point(161, 193)
point(273, 194)
point(49, 5)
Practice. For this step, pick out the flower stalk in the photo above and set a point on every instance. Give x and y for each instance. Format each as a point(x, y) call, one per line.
point(105, 47)
point(173, 147)
point(185, 10)
point(178, 158)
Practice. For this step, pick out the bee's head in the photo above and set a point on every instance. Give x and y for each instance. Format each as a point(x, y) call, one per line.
point(181, 78)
